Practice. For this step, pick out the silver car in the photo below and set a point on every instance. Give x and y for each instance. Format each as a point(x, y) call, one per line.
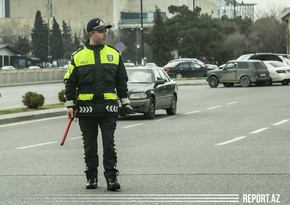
point(243, 72)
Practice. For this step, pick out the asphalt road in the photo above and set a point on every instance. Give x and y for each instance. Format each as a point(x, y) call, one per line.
point(224, 146)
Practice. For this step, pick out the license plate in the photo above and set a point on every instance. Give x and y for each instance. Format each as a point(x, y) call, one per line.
point(263, 74)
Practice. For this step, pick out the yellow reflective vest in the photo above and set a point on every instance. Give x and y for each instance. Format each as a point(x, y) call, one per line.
point(95, 80)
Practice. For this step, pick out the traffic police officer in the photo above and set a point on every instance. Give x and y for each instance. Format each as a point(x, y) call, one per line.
point(94, 82)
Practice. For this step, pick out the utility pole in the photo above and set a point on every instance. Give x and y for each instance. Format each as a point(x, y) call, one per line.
point(142, 33)
point(49, 14)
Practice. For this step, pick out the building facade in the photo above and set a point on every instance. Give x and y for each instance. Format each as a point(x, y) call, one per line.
point(17, 16)
point(21, 13)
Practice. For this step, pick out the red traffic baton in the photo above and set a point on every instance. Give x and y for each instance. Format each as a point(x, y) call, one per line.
point(66, 131)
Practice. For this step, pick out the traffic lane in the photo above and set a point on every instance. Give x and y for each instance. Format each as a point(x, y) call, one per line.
point(136, 137)
point(27, 145)
point(199, 143)
point(270, 97)
point(11, 97)
point(203, 132)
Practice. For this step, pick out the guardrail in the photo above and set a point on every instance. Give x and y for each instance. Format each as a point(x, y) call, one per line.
point(31, 76)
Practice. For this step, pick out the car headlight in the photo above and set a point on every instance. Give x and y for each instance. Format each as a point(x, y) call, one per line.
point(137, 96)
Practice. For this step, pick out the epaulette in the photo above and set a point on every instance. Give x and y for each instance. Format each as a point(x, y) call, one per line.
point(80, 48)
point(112, 47)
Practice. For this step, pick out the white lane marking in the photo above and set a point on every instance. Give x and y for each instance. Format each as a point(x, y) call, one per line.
point(214, 107)
point(36, 145)
point(281, 122)
point(75, 138)
point(231, 141)
point(46, 143)
point(31, 121)
point(134, 125)
point(188, 113)
point(259, 130)
point(231, 103)
point(167, 118)
point(144, 198)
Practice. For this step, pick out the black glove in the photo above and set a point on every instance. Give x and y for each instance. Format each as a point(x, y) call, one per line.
point(124, 110)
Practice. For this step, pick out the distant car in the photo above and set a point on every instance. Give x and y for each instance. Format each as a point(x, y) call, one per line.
point(8, 68)
point(263, 57)
point(206, 65)
point(185, 68)
point(240, 72)
point(260, 56)
point(279, 73)
point(151, 89)
point(151, 65)
point(284, 58)
point(34, 67)
point(129, 65)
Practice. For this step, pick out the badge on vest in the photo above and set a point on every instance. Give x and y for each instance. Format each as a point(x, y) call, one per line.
point(110, 58)
point(83, 109)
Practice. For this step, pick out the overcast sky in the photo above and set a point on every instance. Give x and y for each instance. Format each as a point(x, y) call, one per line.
point(268, 5)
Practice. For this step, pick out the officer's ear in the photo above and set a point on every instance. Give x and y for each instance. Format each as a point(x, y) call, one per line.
point(90, 33)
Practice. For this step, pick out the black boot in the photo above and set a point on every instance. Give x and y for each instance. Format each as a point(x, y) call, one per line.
point(113, 184)
point(92, 183)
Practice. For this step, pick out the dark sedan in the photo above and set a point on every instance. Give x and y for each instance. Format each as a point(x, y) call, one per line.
point(185, 68)
point(151, 89)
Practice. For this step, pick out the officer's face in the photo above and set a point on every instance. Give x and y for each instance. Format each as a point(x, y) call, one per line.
point(98, 37)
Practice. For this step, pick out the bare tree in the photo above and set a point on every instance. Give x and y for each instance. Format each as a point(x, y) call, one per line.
point(268, 35)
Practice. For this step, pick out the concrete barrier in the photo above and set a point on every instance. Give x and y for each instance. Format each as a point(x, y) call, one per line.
point(31, 76)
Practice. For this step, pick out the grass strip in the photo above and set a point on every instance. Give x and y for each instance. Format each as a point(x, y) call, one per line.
point(25, 109)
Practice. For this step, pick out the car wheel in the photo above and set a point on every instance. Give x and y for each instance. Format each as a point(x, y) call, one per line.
point(285, 82)
point(178, 75)
point(268, 83)
point(228, 84)
point(245, 81)
point(173, 107)
point(213, 82)
point(151, 112)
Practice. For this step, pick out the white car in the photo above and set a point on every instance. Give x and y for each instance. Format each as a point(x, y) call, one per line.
point(33, 67)
point(284, 58)
point(8, 68)
point(279, 72)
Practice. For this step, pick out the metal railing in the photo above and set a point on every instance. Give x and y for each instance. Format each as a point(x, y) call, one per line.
point(21, 76)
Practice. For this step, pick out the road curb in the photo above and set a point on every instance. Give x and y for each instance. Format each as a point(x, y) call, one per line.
point(18, 117)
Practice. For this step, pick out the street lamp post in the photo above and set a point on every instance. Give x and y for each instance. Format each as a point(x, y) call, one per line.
point(142, 33)
point(48, 41)
point(49, 14)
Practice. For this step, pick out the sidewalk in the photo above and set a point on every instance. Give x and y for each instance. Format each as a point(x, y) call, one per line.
point(17, 117)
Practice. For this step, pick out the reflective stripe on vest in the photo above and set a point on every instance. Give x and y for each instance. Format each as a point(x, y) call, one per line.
point(107, 96)
point(85, 96)
point(110, 96)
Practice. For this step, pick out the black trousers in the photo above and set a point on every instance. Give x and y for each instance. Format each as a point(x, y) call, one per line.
point(89, 127)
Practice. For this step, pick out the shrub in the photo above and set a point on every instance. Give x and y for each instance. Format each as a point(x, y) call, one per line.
point(61, 97)
point(32, 100)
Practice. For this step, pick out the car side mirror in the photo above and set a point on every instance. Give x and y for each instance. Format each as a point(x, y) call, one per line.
point(159, 82)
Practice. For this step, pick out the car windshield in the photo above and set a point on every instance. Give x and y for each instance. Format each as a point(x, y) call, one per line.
point(139, 76)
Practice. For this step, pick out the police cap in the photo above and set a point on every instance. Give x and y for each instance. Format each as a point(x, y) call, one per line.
point(97, 24)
